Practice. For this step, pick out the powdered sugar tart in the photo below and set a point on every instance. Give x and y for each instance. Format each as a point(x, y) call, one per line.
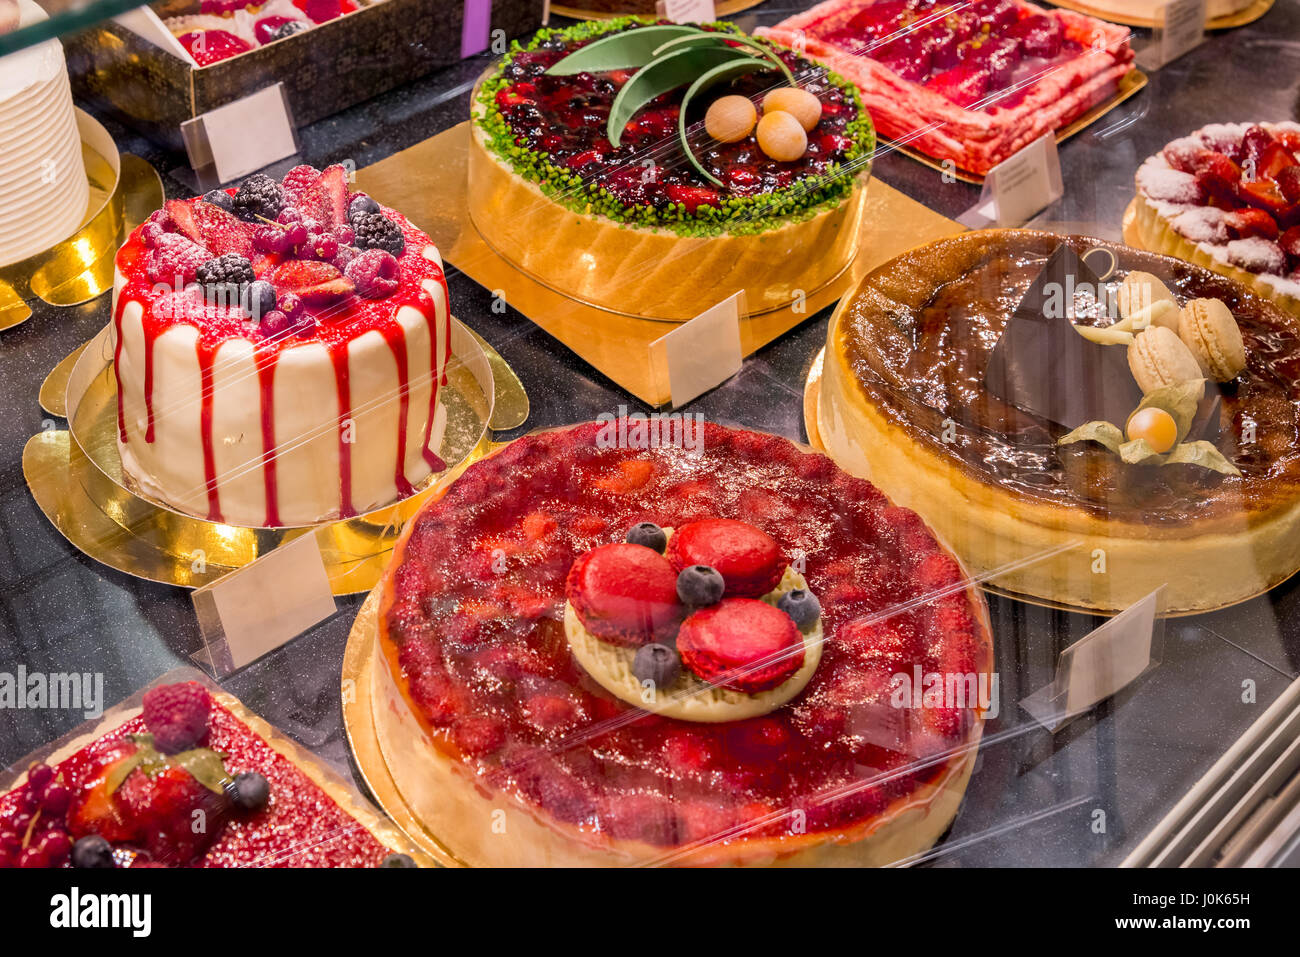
point(968, 82)
point(512, 747)
point(279, 350)
point(1228, 197)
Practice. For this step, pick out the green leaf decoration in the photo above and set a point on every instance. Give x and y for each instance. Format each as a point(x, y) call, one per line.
point(206, 767)
point(1180, 400)
point(1140, 452)
point(1104, 432)
point(700, 39)
point(719, 74)
point(766, 52)
point(674, 70)
point(1203, 454)
point(628, 50)
point(122, 770)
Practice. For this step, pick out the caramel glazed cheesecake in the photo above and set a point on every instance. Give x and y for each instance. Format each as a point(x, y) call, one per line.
point(653, 169)
point(1081, 517)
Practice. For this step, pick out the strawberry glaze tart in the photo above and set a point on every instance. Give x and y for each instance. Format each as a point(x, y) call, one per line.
point(544, 617)
point(279, 350)
point(129, 796)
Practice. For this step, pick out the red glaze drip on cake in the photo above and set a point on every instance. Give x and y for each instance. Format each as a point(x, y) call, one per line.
point(334, 326)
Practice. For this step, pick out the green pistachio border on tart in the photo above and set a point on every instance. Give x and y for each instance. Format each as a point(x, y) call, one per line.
point(738, 215)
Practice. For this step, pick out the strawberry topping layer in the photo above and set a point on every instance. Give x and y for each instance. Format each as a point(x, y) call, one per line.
point(626, 594)
point(474, 617)
point(742, 644)
point(749, 560)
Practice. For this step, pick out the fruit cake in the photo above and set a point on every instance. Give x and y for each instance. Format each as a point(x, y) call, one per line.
point(1228, 197)
point(908, 400)
point(969, 82)
point(131, 796)
point(594, 651)
point(657, 212)
point(279, 350)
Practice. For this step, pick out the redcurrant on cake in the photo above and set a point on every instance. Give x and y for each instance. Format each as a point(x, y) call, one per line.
point(1081, 500)
point(1228, 197)
point(130, 797)
point(969, 82)
point(279, 350)
point(653, 169)
point(594, 652)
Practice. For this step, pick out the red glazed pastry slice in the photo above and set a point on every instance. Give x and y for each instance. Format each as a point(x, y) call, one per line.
point(742, 644)
point(626, 594)
point(747, 558)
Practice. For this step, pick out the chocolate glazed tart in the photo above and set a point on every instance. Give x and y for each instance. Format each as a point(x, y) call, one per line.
point(462, 653)
point(905, 361)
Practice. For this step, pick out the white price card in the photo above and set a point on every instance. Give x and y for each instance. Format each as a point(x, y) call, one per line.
point(704, 352)
point(1100, 664)
point(236, 139)
point(1179, 28)
point(257, 608)
point(1020, 187)
point(687, 11)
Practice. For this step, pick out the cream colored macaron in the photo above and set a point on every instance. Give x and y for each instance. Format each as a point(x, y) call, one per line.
point(1210, 331)
point(1141, 292)
point(1157, 358)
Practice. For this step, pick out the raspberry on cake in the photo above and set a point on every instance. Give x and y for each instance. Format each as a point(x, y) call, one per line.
point(492, 696)
point(671, 210)
point(971, 83)
point(279, 350)
point(127, 800)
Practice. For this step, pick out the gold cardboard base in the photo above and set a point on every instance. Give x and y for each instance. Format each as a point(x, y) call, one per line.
point(1249, 15)
point(124, 189)
point(427, 182)
point(1129, 86)
point(76, 478)
point(359, 725)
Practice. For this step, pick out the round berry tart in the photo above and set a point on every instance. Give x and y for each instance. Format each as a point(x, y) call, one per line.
point(653, 169)
point(279, 350)
point(602, 652)
point(132, 797)
point(1228, 197)
point(1143, 436)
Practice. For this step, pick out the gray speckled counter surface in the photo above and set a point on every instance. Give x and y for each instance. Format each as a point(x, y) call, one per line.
point(1033, 797)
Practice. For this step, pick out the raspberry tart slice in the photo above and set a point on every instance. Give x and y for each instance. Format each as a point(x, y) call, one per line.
point(966, 82)
point(519, 736)
point(649, 211)
point(279, 349)
point(133, 795)
point(1227, 197)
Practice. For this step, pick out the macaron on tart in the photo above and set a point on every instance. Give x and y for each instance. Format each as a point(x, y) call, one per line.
point(1148, 437)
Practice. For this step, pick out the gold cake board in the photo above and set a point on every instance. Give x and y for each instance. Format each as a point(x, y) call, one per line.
point(75, 477)
point(1249, 15)
point(124, 190)
point(1129, 86)
point(427, 181)
point(359, 726)
point(811, 398)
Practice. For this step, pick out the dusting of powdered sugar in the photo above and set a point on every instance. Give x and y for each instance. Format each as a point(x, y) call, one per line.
point(1257, 254)
point(1202, 224)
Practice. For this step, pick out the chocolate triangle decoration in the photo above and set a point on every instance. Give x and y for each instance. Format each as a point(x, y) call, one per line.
point(1041, 365)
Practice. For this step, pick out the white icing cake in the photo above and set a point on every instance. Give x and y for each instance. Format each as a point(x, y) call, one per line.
point(43, 188)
